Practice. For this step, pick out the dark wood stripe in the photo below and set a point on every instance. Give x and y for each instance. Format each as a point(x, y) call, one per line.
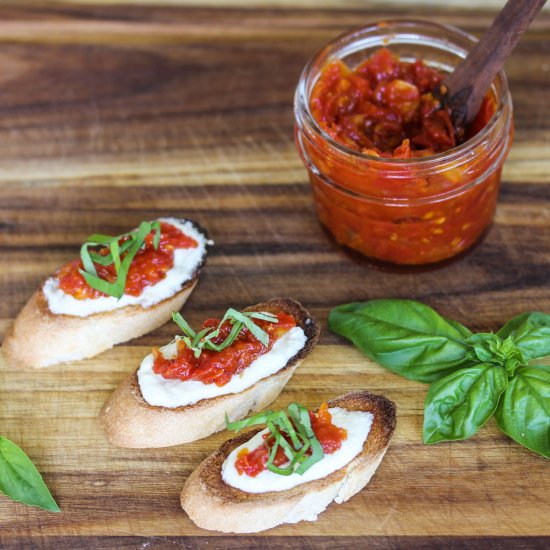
point(248, 542)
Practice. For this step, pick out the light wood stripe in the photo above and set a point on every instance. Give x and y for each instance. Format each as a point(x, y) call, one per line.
point(310, 4)
point(528, 163)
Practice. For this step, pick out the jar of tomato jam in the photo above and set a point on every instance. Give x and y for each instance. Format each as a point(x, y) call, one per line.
point(420, 201)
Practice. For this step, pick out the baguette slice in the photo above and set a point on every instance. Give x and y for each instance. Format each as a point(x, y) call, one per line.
point(129, 421)
point(39, 338)
point(212, 504)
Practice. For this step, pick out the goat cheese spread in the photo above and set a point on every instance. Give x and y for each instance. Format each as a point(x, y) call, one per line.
point(162, 392)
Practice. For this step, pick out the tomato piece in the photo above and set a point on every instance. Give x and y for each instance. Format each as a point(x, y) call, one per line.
point(382, 103)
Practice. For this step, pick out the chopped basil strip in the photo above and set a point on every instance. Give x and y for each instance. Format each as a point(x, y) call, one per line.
point(197, 341)
point(294, 424)
point(120, 256)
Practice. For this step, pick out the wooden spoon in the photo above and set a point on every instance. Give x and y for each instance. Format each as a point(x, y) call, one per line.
point(464, 89)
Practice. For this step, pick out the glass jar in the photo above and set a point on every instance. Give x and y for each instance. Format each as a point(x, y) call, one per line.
point(404, 211)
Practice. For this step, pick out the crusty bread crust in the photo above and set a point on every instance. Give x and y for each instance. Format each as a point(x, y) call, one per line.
point(129, 421)
point(214, 505)
point(39, 338)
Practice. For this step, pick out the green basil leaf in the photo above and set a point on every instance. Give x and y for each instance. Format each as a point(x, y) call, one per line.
point(87, 262)
point(238, 425)
point(122, 273)
point(254, 329)
point(524, 410)
point(183, 324)
point(530, 333)
point(485, 346)
point(155, 226)
point(407, 337)
point(489, 348)
point(115, 254)
point(459, 404)
point(282, 420)
point(112, 289)
point(263, 315)
point(136, 241)
point(98, 238)
point(231, 337)
point(20, 480)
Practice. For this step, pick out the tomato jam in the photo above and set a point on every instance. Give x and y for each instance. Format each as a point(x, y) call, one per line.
point(218, 367)
point(388, 177)
point(385, 107)
point(148, 267)
point(330, 436)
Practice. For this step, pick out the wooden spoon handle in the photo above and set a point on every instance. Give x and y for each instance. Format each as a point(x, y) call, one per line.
point(464, 89)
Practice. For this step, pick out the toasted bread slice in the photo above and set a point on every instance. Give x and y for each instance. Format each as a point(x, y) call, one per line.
point(129, 421)
point(39, 338)
point(212, 504)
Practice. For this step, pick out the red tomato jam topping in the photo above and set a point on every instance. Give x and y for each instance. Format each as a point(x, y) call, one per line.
point(384, 107)
point(405, 212)
point(148, 267)
point(218, 367)
point(251, 463)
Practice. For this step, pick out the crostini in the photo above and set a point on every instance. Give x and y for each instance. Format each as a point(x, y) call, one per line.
point(120, 288)
point(292, 470)
point(182, 391)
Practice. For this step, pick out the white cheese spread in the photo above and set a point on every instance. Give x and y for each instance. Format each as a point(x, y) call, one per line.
point(356, 423)
point(162, 392)
point(186, 261)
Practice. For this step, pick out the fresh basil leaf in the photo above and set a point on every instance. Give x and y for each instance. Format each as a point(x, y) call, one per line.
point(155, 226)
point(263, 315)
point(20, 480)
point(98, 238)
point(459, 404)
point(204, 338)
point(102, 285)
point(407, 337)
point(135, 241)
point(530, 333)
point(183, 324)
point(524, 410)
point(238, 425)
point(122, 273)
point(254, 329)
point(87, 262)
point(484, 346)
point(281, 419)
point(232, 336)
point(489, 348)
point(115, 254)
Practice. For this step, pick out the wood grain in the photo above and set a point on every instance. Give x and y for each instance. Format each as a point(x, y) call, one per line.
point(114, 114)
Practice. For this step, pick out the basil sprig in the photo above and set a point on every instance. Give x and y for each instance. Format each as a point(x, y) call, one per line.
point(197, 341)
point(120, 255)
point(295, 424)
point(473, 376)
point(20, 480)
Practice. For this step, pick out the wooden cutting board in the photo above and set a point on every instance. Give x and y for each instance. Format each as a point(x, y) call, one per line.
point(115, 114)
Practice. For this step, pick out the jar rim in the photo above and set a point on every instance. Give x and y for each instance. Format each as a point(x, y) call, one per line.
point(302, 96)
